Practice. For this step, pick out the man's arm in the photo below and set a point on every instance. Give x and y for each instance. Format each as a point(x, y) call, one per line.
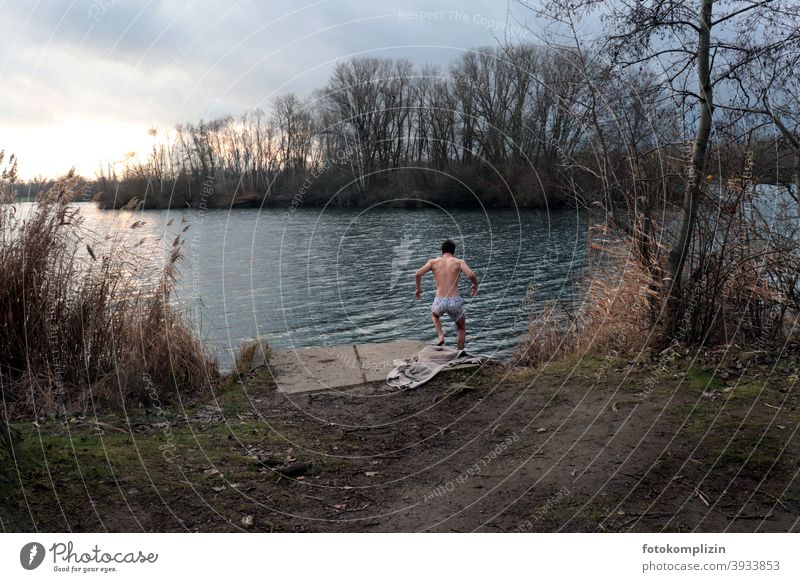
point(420, 272)
point(472, 277)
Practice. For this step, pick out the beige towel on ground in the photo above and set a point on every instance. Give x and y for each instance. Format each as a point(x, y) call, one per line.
point(426, 363)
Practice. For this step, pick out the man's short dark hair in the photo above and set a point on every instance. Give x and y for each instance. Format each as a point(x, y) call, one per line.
point(449, 246)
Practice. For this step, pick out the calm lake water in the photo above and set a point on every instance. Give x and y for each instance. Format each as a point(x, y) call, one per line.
point(323, 277)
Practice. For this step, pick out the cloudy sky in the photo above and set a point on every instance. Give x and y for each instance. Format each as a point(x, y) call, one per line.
point(83, 80)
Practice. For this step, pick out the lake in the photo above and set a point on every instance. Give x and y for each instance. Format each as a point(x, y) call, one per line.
point(321, 276)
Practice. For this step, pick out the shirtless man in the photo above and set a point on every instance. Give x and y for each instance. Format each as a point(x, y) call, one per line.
point(446, 271)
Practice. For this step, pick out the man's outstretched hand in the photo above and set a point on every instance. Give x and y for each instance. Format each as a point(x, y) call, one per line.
point(473, 291)
point(418, 294)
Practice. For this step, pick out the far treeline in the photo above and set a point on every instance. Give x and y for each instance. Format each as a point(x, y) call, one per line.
point(523, 125)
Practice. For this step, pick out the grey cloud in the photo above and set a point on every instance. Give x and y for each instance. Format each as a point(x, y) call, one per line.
point(175, 61)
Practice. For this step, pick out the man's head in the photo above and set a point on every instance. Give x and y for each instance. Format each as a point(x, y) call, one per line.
point(449, 246)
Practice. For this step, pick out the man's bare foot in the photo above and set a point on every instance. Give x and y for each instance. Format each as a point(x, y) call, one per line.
point(441, 341)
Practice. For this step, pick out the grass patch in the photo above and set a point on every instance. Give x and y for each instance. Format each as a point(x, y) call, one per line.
point(750, 390)
point(699, 380)
point(55, 468)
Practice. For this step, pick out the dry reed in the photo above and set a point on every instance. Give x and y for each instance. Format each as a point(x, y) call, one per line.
point(613, 315)
point(88, 322)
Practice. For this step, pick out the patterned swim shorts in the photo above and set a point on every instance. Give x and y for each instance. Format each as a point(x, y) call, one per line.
point(452, 306)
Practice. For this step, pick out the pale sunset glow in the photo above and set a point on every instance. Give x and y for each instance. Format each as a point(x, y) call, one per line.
point(86, 144)
point(83, 82)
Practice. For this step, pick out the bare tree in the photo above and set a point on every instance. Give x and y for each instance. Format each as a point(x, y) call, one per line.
point(770, 87)
point(698, 47)
point(294, 124)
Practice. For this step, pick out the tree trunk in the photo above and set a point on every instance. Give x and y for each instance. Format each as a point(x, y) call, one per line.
point(680, 248)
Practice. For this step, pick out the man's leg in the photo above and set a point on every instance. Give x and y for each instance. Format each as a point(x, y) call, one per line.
point(437, 323)
point(461, 326)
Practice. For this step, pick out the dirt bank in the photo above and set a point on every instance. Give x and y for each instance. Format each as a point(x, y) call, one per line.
point(584, 445)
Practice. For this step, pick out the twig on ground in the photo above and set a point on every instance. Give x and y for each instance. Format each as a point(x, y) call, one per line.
point(770, 495)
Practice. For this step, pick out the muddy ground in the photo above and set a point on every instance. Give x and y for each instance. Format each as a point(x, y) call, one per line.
point(678, 444)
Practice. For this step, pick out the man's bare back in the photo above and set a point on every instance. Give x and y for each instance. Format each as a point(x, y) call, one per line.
point(447, 270)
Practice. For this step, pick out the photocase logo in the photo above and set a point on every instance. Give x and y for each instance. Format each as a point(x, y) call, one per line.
point(31, 555)
point(401, 256)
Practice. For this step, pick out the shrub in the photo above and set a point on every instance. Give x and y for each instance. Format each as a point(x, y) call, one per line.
point(614, 314)
point(88, 320)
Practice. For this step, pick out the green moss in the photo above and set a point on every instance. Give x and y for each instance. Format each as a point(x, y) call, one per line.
point(582, 365)
point(699, 381)
point(749, 390)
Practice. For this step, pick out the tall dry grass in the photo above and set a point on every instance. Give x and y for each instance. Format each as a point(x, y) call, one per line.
point(87, 321)
point(741, 283)
point(614, 314)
